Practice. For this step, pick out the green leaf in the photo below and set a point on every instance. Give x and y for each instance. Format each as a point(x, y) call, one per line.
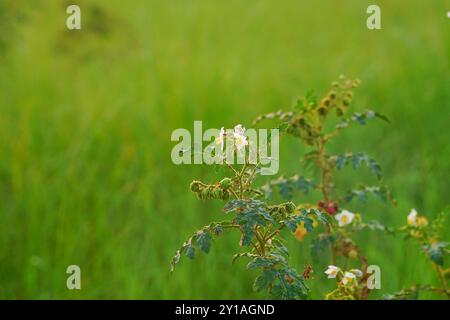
point(233, 205)
point(204, 241)
point(189, 251)
point(247, 235)
point(217, 230)
point(381, 192)
point(311, 98)
point(321, 216)
point(175, 260)
point(260, 262)
point(303, 184)
point(286, 190)
point(361, 118)
point(263, 213)
point(286, 186)
point(242, 254)
point(357, 159)
point(291, 224)
point(341, 161)
point(382, 117)
point(280, 247)
point(375, 168)
point(436, 252)
point(263, 281)
point(376, 225)
point(283, 126)
point(290, 285)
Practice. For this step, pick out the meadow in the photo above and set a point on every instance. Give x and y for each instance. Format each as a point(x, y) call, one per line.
point(86, 117)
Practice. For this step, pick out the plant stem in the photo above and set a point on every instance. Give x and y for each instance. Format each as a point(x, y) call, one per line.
point(442, 279)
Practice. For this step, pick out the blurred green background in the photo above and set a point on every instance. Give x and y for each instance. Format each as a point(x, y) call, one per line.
point(86, 117)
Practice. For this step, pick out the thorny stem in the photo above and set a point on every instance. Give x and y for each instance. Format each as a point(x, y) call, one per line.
point(324, 172)
point(252, 174)
point(240, 177)
point(256, 248)
point(232, 169)
point(262, 243)
point(234, 193)
point(442, 279)
point(325, 180)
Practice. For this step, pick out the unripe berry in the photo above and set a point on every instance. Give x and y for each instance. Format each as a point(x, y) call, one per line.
point(225, 183)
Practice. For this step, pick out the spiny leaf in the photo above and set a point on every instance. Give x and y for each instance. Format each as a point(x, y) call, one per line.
point(247, 235)
point(381, 192)
point(436, 251)
point(260, 262)
point(341, 161)
point(280, 114)
point(175, 260)
point(357, 159)
point(189, 251)
point(361, 118)
point(204, 241)
point(242, 254)
point(286, 186)
point(263, 281)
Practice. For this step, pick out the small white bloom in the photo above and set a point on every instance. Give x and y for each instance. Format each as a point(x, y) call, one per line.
point(240, 142)
point(332, 272)
point(357, 272)
point(239, 130)
point(348, 277)
point(344, 217)
point(412, 217)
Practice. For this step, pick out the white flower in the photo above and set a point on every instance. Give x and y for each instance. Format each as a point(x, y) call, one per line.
point(357, 272)
point(412, 217)
point(240, 142)
point(220, 140)
point(348, 277)
point(239, 130)
point(332, 271)
point(344, 217)
point(240, 139)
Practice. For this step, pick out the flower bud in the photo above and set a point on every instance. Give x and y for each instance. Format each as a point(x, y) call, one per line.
point(325, 101)
point(205, 194)
point(322, 111)
point(353, 254)
point(225, 183)
point(195, 186)
point(332, 95)
point(290, 207)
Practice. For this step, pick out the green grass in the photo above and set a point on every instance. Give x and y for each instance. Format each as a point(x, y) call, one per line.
point(86, 117)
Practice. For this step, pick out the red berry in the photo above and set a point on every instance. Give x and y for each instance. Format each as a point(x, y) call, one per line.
point(332, 207)
point(331, 210)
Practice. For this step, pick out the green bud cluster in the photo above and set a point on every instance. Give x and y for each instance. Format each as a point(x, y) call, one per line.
point(304, 123)
point(282, 209)
point(212, 191)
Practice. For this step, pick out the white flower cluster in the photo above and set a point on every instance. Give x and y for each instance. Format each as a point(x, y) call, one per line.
point(238, 137)
point(348, 277)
